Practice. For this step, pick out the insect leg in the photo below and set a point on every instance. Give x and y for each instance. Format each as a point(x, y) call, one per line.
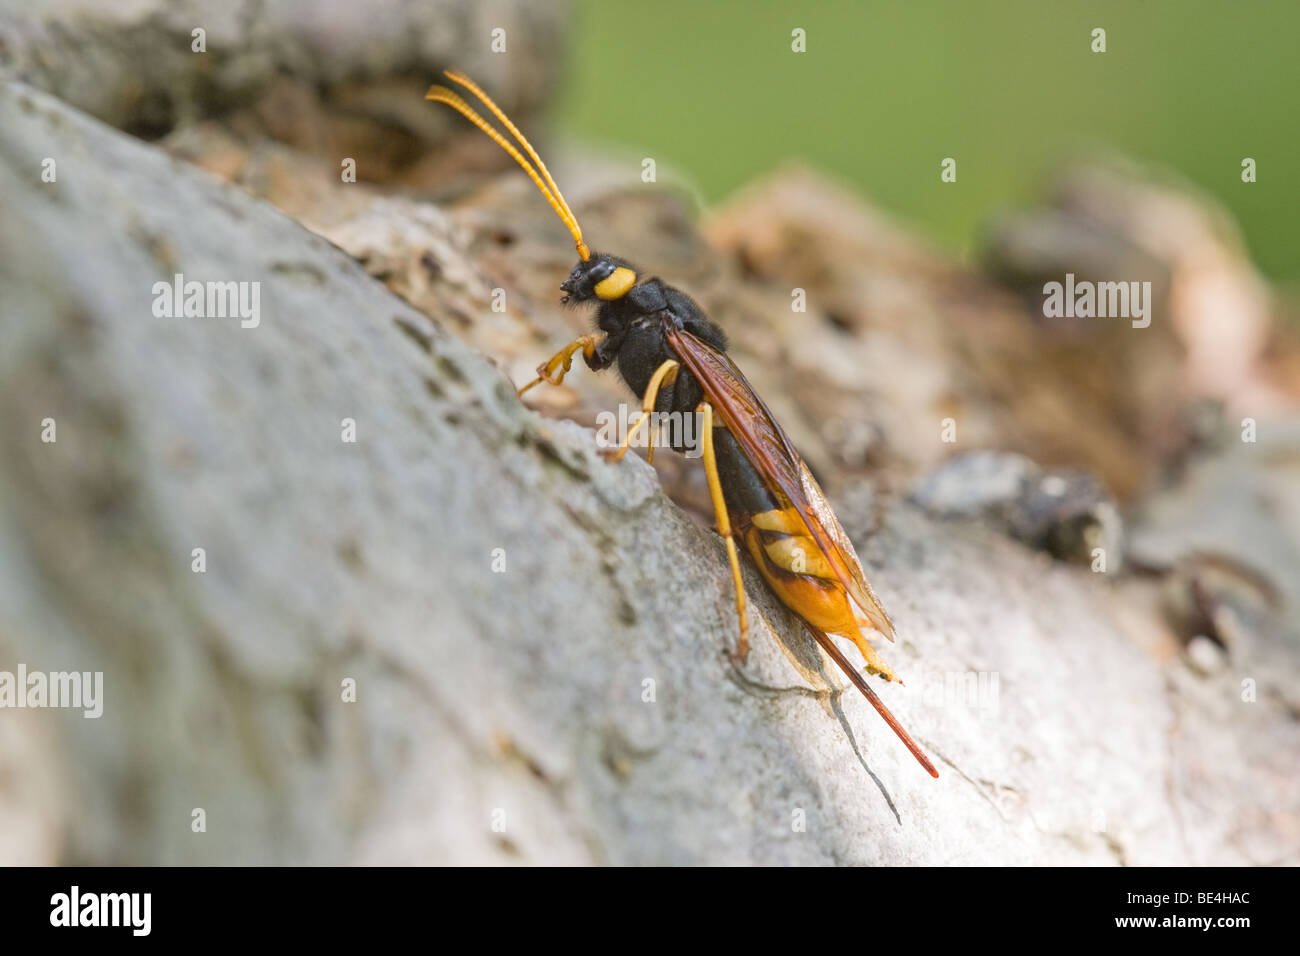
point(724, 526)
point(553, 370)
point(665, 374)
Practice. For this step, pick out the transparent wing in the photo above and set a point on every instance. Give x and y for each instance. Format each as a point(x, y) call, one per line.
point(771, 452)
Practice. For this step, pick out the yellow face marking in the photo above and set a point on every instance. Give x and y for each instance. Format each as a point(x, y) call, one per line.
point(616, 284)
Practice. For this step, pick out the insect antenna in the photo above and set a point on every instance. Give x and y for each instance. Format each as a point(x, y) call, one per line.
point(546, 185)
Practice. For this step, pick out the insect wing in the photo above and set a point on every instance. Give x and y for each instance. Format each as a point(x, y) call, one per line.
point(770, 450)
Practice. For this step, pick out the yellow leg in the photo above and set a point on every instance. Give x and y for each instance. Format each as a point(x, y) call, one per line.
point(665, 374)
point(724, 526)
point(552, 372)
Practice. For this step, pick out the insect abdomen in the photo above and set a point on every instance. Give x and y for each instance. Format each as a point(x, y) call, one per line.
point(782, 548)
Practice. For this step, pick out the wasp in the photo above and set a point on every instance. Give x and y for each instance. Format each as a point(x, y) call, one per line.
point(763, 494)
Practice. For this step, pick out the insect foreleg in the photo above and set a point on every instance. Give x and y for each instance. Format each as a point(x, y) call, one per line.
point(553, 370)
point(724, 526)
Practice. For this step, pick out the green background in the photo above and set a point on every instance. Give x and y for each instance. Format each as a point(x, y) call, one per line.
point(1010, 89)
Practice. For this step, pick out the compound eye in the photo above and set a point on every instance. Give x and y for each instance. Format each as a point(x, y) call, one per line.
point(601, 270)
